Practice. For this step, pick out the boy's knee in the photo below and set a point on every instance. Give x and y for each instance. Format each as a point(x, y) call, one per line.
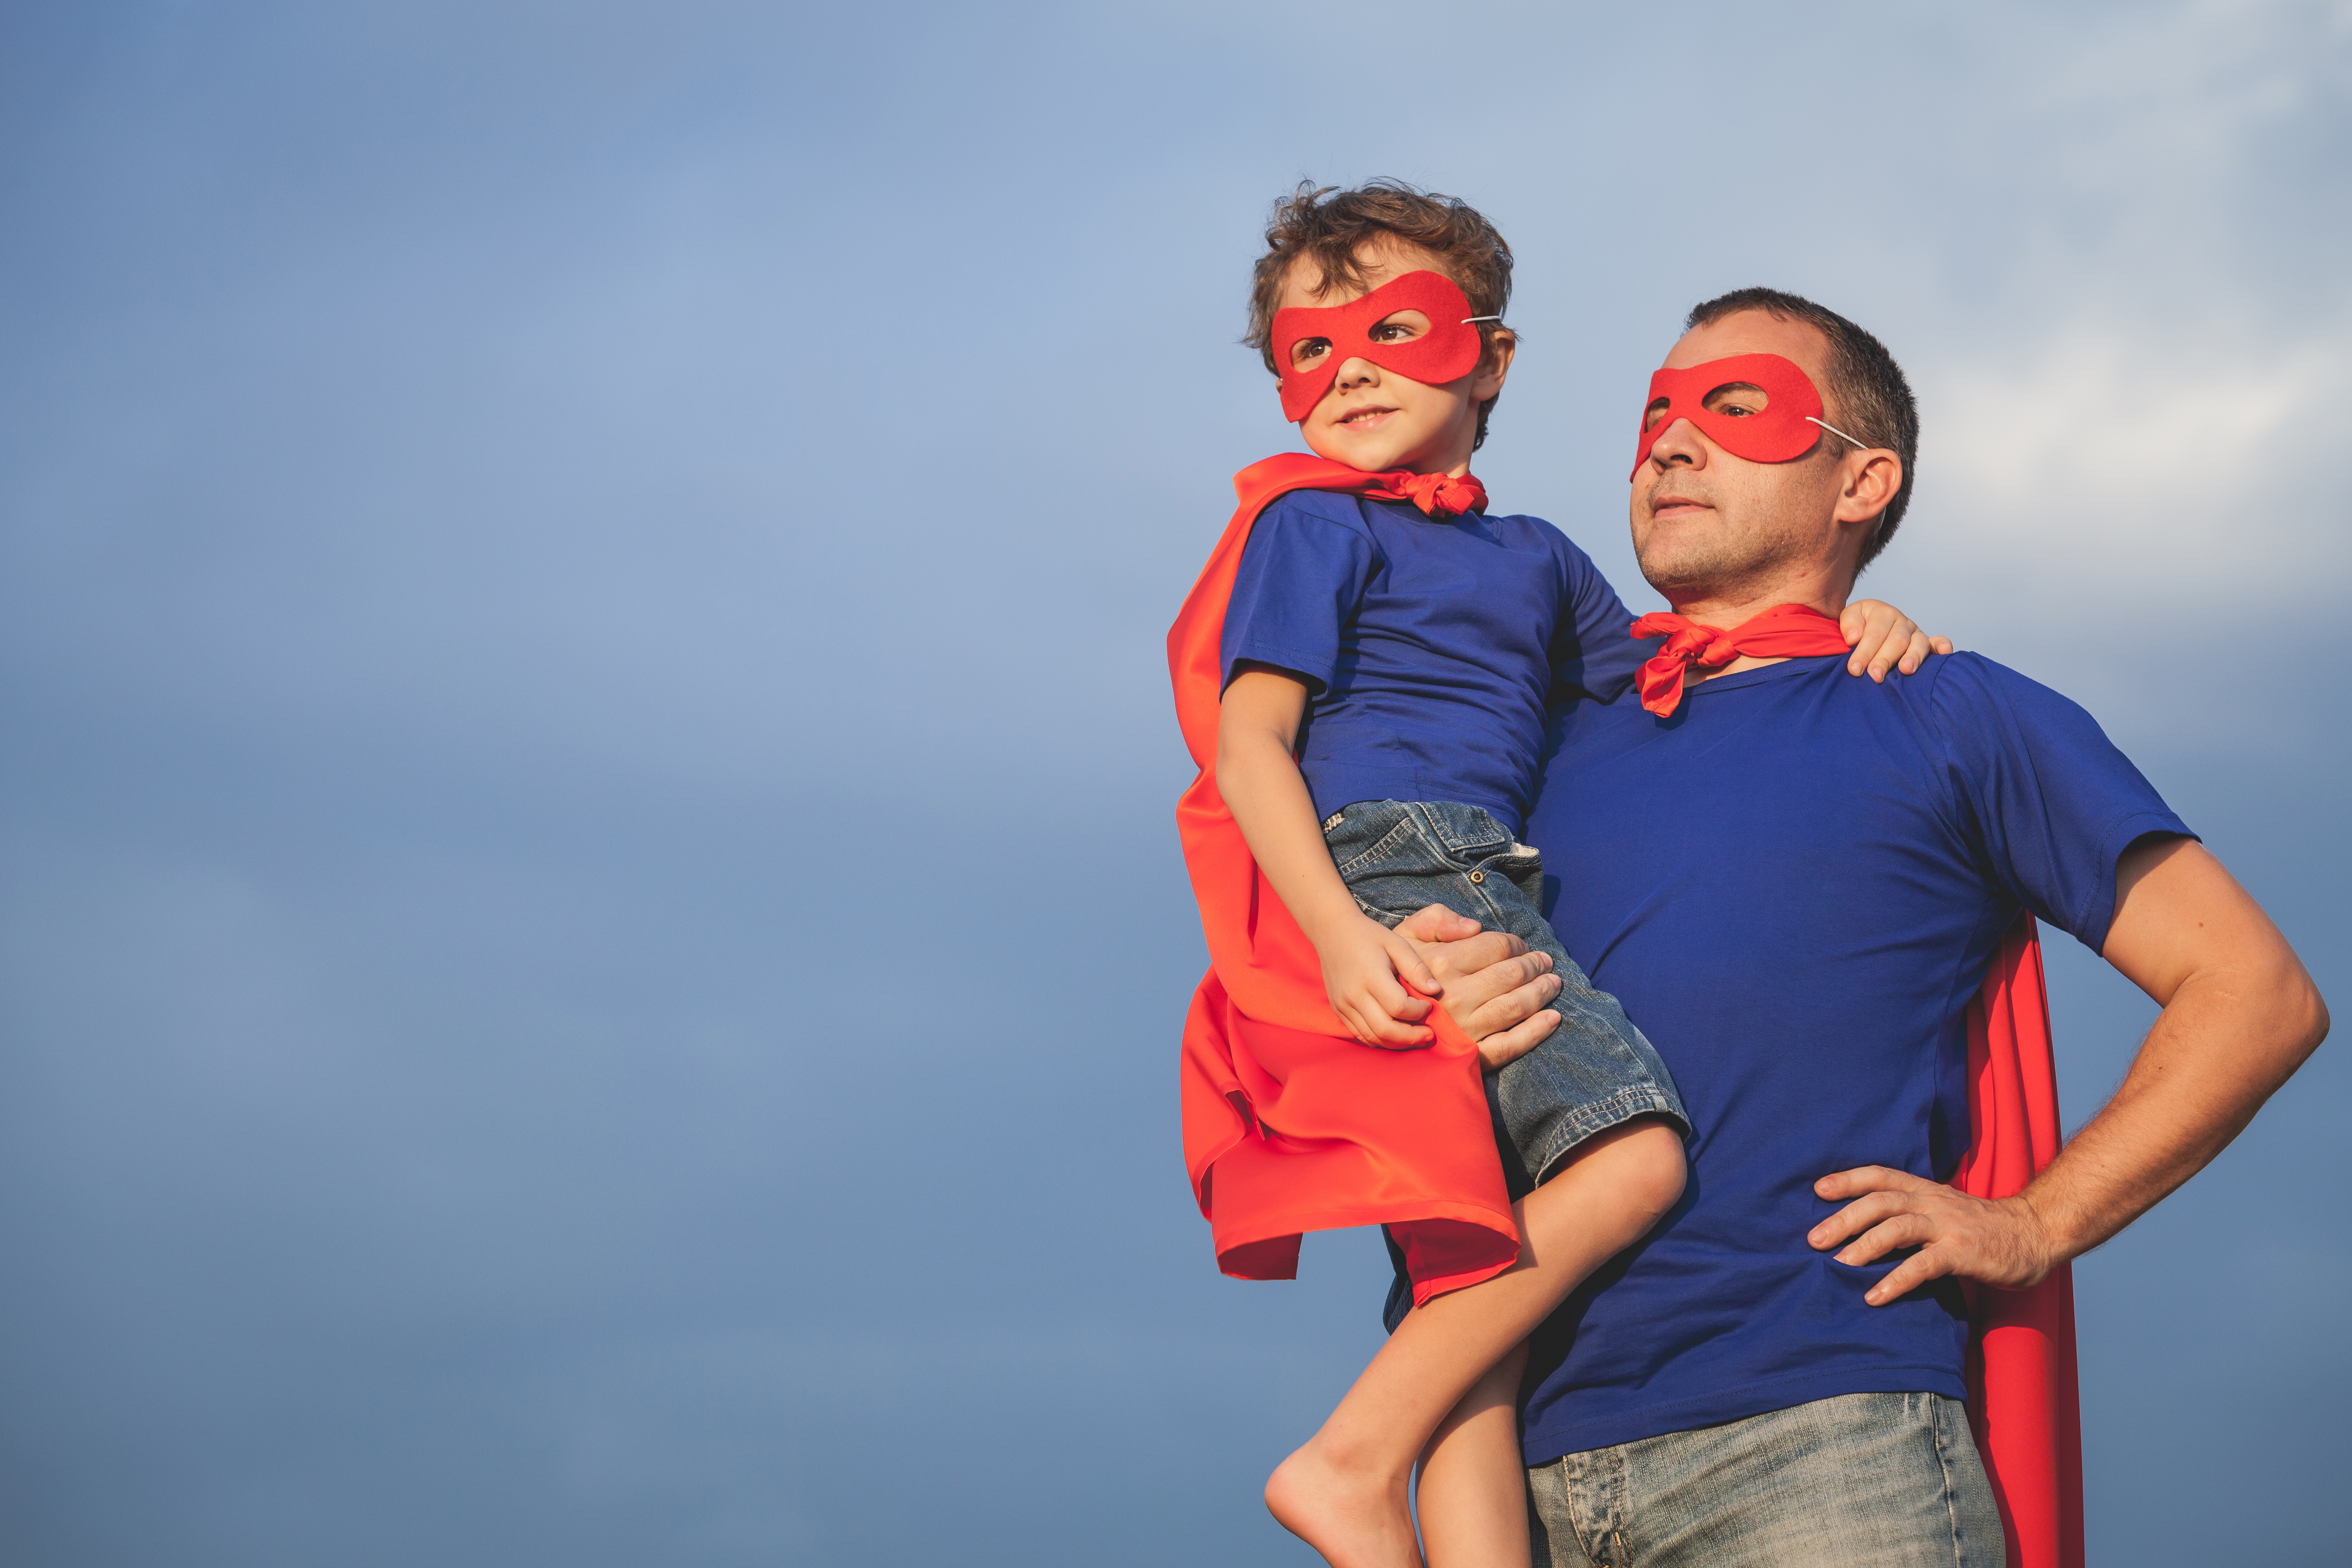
point(1650, 1165)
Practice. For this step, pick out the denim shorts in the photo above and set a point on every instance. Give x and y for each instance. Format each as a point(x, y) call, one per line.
point(1590, 1073)
point(1860, 1481)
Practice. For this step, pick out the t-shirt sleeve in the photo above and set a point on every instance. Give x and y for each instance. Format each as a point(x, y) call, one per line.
point(2049, 801)
point(1592, 655)
point(1301, 577)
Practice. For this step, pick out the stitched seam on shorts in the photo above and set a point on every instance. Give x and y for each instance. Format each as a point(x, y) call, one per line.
point(1384, 845)
point(1444, 840)
point(1588, 1120)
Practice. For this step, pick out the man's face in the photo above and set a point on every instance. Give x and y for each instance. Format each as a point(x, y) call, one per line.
point(1709, 525)
point(1376, 419)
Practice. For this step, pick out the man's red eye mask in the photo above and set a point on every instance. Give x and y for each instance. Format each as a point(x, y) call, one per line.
point(1447, 352)
point(1785, 427)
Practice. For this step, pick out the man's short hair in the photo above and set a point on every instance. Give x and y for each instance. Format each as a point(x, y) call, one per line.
point(1867, 395)
point(1329, 225)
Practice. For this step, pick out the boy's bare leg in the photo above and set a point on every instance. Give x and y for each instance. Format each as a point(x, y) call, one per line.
point(1473, 1494)
point(1345, 1493)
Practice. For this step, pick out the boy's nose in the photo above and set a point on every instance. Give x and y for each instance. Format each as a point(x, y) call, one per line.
point(1357, 373)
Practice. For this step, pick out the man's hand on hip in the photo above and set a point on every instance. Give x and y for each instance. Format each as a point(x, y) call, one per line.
point(1998, 1241)
point(1494, 988)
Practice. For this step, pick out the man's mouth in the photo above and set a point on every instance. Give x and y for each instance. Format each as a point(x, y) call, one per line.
point(1662, 506)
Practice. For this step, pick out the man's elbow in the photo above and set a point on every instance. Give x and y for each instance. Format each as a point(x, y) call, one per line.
point(2310, 1014)
point(2298, 1018)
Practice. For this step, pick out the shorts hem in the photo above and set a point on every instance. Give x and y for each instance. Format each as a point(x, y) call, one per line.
point(1587, 1121)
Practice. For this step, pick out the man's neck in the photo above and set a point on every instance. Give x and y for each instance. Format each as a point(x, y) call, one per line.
point(1728, 609)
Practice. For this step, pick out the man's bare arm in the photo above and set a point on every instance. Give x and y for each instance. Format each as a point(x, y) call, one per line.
point(2240, 1016)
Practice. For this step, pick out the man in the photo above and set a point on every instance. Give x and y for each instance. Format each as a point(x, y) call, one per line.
point(1795, 883)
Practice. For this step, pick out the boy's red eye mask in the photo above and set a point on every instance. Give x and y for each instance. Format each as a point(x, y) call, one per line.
point(1782, 429)
point(1447, 352)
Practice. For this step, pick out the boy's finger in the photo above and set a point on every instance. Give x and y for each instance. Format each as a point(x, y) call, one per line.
point(1387, 995)
point(1417, 974)
point(1395, 1023)
point(1435, 923)
point(1389, 1032)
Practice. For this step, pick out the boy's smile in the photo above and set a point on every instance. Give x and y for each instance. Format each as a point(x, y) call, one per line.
point(1376, 419)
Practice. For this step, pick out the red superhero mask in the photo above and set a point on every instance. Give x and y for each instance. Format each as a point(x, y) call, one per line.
point(1782, 429)
point(1447, 352)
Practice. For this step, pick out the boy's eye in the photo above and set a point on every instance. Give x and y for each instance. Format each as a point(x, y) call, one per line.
point(1306, 351)
point(1403, 327)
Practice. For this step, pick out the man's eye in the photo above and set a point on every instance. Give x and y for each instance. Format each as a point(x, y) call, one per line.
point(1655, 411)
point(1738, 401)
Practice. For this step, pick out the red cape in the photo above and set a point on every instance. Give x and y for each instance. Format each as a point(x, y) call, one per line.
point(2023, 1401)
point(1292, 1125)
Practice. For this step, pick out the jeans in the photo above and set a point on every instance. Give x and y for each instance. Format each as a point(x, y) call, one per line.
point(1863, 1481)
point(1590, 1073)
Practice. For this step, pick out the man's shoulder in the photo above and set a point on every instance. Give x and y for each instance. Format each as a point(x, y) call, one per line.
point(1966, 690)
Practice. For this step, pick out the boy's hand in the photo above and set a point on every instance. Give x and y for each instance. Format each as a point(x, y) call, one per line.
point(1362, 961)
point(1882, 639)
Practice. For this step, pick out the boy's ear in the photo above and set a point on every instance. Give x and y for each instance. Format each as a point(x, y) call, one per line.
point(1494, 365)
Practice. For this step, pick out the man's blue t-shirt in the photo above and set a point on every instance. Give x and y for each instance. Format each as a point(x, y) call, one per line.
point(1430, 650)
point(1795, 885)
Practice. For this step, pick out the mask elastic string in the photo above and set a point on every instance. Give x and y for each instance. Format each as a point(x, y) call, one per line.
point(1467, 319)
point(1834, 430)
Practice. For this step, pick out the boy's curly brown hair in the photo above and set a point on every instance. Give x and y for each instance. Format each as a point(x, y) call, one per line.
point(1329, 225)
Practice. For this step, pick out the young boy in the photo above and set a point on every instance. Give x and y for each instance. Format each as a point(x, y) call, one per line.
point(1384, 658)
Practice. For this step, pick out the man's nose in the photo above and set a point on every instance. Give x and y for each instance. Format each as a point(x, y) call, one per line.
point(1679, 442)
point(1357, 373)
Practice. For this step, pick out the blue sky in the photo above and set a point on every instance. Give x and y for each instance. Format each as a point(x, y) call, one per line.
point(593, 936)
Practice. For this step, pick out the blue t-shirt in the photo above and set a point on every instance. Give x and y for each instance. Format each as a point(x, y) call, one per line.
point(1795, 885)
point(1430, 650)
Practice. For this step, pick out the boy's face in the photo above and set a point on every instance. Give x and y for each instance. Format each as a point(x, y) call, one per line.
point(1375, 419)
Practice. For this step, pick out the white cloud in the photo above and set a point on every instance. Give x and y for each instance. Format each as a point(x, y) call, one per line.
point(2109, 460)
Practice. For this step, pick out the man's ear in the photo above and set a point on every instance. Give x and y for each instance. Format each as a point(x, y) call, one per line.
point(1873, 479)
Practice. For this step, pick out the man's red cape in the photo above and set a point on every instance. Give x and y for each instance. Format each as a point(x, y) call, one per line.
point(1291, 1125)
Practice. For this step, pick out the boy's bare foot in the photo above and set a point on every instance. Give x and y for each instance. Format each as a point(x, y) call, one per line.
point(1355, 1520)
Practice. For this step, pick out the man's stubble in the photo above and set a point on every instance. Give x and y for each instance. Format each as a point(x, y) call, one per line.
point(1738, 552)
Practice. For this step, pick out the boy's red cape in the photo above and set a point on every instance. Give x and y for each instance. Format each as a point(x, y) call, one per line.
point(1291, 1125)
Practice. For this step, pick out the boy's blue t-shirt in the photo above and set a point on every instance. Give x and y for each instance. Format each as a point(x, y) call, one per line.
point(1431, 651)
point(1794, 886)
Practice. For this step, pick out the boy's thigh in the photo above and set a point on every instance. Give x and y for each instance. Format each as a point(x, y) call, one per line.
point(1398, 856)
point(1863, 1481)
